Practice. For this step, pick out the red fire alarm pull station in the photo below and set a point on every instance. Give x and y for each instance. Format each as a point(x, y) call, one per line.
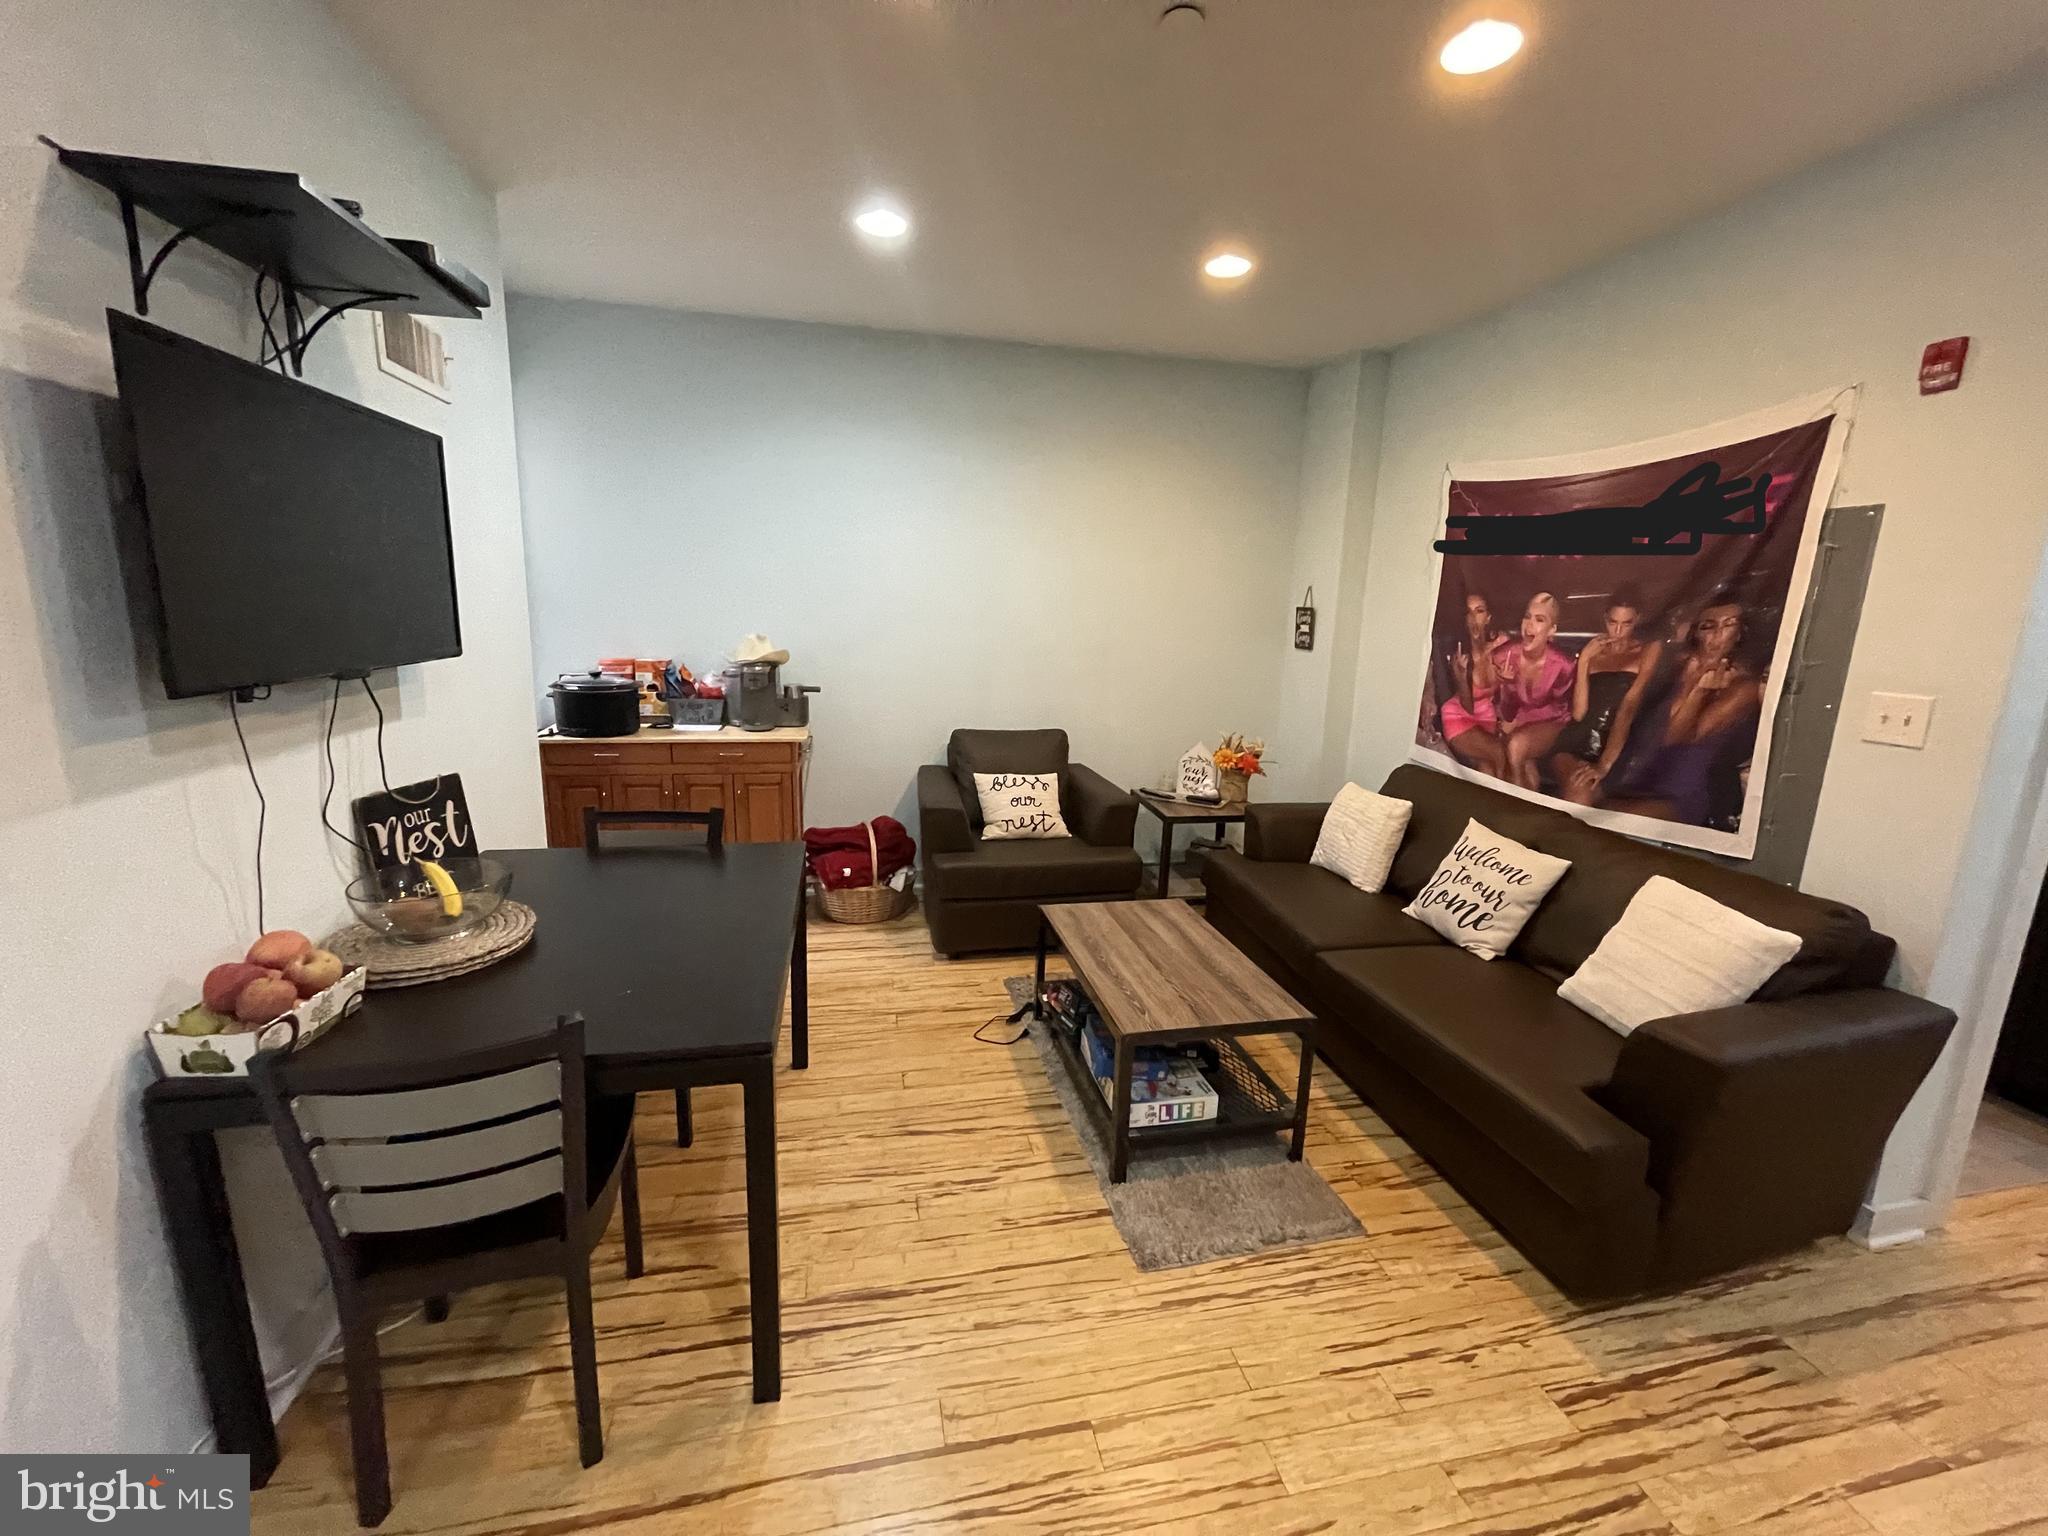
point(1941, 365)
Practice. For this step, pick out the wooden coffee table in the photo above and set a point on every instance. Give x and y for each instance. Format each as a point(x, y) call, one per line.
point(1159, 975)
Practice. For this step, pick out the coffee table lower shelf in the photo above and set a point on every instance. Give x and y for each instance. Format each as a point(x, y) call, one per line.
point(1248, 1101)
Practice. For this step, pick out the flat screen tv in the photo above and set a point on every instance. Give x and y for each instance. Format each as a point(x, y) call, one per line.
point(293, 534)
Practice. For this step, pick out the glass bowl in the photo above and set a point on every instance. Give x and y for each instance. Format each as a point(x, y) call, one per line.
point(402, 904)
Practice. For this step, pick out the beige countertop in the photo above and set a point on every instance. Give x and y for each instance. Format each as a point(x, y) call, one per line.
point(668, 734)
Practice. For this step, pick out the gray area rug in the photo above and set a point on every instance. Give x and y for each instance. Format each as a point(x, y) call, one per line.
point(1208, 1202)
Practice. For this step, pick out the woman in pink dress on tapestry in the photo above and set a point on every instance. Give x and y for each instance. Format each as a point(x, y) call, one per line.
point(1533, 698)
point(1471, 729)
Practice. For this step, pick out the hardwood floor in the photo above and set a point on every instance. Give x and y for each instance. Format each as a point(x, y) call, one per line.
point(969, 1348)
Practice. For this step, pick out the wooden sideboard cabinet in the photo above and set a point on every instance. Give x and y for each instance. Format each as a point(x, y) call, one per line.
point(755, 777)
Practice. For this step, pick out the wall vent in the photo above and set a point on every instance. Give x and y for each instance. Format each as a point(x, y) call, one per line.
point(409, 348)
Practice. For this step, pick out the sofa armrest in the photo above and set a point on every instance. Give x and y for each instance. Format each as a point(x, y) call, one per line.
point(1099, 812)
point(1284, 831)
point(1766, 1120)
point(943, 825)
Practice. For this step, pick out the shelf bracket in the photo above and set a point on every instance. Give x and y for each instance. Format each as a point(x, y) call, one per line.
point(299, 335)
point(140, 273)
point(274, 236)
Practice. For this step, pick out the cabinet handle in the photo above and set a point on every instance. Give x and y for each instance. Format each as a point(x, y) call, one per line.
point(732, 752)
point(604, 754)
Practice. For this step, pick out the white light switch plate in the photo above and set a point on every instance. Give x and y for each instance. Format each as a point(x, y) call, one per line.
point(1898, 719)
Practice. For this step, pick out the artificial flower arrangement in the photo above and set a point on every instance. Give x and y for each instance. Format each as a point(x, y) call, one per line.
point(1239, 754)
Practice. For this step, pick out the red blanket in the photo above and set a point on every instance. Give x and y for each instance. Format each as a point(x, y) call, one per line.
point(838, 856)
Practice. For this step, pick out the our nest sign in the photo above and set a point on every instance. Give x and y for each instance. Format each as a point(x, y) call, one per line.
point(427, 820)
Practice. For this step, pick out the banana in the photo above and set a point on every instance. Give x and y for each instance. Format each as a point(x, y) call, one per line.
point(444, 887)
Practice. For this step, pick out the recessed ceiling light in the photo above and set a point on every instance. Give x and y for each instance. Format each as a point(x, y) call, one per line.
point(1228, 265)
point(1482, 46)
point(882, 221)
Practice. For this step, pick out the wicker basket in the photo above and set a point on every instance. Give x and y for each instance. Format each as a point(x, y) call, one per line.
point(873, 903)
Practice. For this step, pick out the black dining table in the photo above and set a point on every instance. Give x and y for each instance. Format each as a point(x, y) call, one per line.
point(679, 962)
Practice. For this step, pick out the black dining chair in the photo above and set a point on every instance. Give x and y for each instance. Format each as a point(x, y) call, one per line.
point(424, 1181)
point(713, 823)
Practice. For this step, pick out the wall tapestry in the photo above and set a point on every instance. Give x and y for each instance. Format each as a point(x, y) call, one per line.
point(1611, 629)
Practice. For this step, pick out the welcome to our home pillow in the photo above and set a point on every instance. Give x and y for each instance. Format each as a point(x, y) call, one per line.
point(1361, 834)
point(1675, 951)
point(1487, 887)
point(1020, 805)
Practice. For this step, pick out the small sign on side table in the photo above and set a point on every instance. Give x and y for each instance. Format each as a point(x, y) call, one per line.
point(1197, 778)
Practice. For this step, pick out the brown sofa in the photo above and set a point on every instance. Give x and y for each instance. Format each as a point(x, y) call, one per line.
point(986, 895)
point(1618, 1164)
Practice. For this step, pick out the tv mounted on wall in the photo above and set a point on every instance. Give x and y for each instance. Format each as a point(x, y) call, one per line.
point(292, 533)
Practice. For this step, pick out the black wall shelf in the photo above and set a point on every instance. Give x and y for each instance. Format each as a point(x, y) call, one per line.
point(314, 249)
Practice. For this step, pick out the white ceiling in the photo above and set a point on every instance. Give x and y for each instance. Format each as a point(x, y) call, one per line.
point(1067, 162)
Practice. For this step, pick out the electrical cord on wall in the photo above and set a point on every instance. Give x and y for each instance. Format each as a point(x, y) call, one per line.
point(327, 799)
point(262, 806)
point(383, 772)
point(273, 350)
point(433, 785)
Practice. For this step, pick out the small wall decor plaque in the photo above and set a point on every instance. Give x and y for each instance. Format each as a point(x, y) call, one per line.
point(427, 820)
point(1305, 622)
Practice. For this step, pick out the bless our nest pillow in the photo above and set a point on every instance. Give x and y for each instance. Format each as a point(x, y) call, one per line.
point(1675, 951)
point(1487, 887)
point(1361, 834)
point(1020, 805)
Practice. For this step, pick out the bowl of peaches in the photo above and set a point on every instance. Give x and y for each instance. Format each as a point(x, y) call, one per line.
point(281, 994)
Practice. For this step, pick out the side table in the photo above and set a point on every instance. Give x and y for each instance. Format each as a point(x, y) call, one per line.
point(1172, 814)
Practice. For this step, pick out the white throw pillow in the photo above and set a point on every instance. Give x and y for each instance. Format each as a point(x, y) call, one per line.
point(1487, 887)
point(1361, 834)
point(1020, 805)
point(1675, 951)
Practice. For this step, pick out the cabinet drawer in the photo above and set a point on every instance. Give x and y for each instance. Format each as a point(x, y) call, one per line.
point(734, 754)
point(603, 754)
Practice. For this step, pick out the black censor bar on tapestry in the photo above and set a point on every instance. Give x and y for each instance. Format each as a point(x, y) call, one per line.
point(1697, 503)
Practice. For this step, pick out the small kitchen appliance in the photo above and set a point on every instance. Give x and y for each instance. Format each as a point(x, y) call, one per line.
point(595, 704)
point(755, 700)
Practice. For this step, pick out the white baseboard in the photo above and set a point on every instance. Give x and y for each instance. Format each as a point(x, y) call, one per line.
point(1890, 1226)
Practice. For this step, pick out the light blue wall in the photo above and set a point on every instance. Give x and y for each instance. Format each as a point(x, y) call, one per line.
point(1340, 459)
point(1838, 276)
point(942, 532)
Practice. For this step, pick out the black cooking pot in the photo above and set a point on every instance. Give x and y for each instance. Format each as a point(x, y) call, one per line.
point(595, 704)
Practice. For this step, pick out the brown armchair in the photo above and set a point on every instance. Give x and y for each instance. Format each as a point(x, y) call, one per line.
point(986, 895)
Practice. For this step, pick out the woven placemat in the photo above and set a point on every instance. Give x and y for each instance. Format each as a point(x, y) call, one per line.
point(393, 963)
